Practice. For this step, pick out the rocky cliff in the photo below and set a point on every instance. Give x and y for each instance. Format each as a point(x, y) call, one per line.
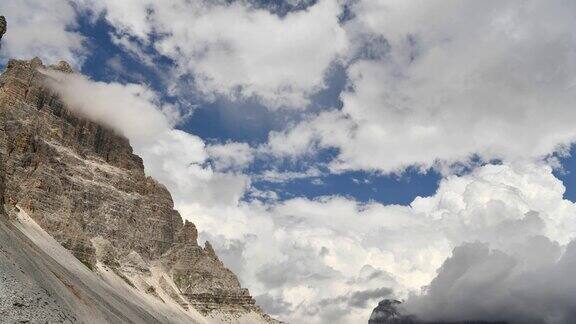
point(83, 185)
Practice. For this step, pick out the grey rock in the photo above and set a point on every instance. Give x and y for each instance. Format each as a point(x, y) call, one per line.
point(81, 182)
point(387, 312)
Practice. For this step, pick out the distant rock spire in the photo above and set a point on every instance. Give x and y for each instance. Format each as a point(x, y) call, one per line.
point(387, 312)
point(2, 26)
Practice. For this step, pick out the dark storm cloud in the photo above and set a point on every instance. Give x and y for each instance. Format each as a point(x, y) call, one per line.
point(531, 284)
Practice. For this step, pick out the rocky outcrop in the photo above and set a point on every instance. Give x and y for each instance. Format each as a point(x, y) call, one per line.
point(387, 312)
point(3, 26)
point(82, 183)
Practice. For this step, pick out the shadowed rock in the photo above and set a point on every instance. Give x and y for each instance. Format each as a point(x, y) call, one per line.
point(387, 312)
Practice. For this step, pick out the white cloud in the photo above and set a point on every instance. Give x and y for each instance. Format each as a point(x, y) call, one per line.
point(273, 175)
point(231, 155)
point(235, 50)
point(322, 130)
point(130, 109)
point(41, 28)
point(457, 79)
point(294, 254)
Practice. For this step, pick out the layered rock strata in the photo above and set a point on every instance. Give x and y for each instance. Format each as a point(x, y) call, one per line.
point(81, 182)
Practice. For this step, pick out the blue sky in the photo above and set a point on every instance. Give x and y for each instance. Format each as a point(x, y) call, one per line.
point(222, 120)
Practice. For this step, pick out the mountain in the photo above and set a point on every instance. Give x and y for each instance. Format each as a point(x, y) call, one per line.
point(85, 235)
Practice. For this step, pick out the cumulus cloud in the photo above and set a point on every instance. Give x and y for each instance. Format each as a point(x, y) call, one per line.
point(42, 28)
point(235, 49)
point(130, 109)
point(530, 284)
point(299, 252)
point(449, 81)
point(231, 155)
point(273, 175)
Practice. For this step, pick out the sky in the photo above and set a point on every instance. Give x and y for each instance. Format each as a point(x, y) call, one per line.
point(338, 152)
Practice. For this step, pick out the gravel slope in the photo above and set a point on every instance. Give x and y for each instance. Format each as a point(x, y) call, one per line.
point(41, 282)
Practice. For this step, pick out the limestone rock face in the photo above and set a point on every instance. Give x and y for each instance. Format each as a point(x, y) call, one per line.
point(82, 183)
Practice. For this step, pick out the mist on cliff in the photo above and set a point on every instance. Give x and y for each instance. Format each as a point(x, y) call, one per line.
point(132, 110)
